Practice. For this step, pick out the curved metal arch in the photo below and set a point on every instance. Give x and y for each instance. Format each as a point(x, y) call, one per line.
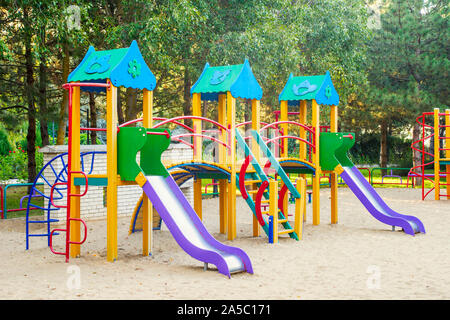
point(184, 166)
point(302, 162)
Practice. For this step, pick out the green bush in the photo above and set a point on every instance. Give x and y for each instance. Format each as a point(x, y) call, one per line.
point(5, 146)
point(14, 165)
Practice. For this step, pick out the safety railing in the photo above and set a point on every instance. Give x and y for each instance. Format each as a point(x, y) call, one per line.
point(4, 198)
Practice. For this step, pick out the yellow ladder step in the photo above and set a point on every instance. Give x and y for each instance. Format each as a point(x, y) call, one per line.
point(252, 181)
point(285, 231)
point(252, 191)
point(282, 220)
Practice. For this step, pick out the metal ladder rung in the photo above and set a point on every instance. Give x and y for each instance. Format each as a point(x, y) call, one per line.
point(252, 181)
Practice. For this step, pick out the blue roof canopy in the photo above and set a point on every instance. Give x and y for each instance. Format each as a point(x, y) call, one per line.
point(125, 67)
point(238, 79)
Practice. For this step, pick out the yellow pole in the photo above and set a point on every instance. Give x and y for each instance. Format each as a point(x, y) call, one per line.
point(284, 154)
point(437, 176)
point(333, 178)
point(197, 111)
point(75, 164)
point(284, 127)
point(303, 146)
point(147, 208)
point(256, 125)
point(273, 207)
point(302, 119)
point(315, 160)
point(300, 207)
point(231, 123)
point(111, 169)
point(447, 152)
point(222, 161)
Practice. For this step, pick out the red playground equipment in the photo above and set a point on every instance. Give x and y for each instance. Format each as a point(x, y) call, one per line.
point(434, 147)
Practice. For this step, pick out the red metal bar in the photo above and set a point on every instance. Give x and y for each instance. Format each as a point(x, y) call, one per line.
point(85, 84)
point(165, 133)
point(281, 196)
point(92, 129)
point(202, 136)
point(1, 201)
point(248, 122)
point(258, 199)
point(182, 141)
point(292, 137)
point(242, 176)
point(192, 117)
point(272, 125)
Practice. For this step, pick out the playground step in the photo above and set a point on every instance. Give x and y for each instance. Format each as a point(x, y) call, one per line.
point(252, 181)
point(282, 220)
point(285, 231)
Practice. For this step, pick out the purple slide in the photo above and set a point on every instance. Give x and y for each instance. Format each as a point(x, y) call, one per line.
point(375, 204)
point(189, 231)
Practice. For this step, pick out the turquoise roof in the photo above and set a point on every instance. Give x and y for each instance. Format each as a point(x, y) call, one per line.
point(238, 79)
point(125, 67)
point(319, 88)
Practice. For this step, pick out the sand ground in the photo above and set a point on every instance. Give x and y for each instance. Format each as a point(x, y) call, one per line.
point(359, 258)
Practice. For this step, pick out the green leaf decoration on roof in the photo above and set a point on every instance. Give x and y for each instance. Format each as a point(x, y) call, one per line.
point(99, 64)
point(328, 92)
point(304, 85)
point(219, 77)
point(134, 68)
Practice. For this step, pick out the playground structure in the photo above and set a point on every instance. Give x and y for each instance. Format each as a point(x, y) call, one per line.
point(436, 133)
point(134, 157)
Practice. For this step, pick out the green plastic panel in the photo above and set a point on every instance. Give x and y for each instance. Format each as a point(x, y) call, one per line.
point(334, 148)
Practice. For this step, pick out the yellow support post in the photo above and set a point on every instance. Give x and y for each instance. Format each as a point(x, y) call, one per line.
point(222, 160)
point(198, 148)
point(316, 162)
point(198, 197)
point(302, 120)
point(303, 146)
point(111, 169)
point(437, 176)
point(284, 154)
point(333, 178)
point(256, 125)
point(284, 127)
point(147, 208)
point(223, 205)
point(75, 166)
point(231, 123)
point(447, 152)
point(273, 207)
point(300, 207)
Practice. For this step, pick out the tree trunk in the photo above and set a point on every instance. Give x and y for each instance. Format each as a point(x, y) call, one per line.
point(43, 112)
point(65, 100)
point(93, 119)
point(31, 131)
point(417, 155)
point(383, 147)
point(131, 105)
